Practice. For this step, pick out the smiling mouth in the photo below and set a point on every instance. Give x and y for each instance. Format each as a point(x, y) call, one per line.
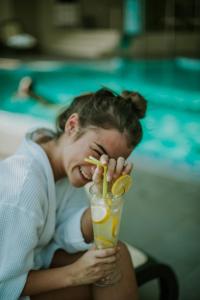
point(86, 176)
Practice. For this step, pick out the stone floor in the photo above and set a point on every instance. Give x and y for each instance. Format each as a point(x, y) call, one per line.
point(162, 216)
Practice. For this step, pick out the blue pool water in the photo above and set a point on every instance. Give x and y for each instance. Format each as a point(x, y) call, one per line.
point(172, 87)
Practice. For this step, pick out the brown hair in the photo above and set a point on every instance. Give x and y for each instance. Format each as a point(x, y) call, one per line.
point(107, 110)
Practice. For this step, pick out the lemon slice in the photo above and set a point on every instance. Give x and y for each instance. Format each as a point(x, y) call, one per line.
point(100, 214)
point(121, 185)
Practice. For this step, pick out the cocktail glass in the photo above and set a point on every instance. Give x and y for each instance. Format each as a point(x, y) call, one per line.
point(106, 216)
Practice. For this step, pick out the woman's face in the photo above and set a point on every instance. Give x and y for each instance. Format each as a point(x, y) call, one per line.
point(94, 142)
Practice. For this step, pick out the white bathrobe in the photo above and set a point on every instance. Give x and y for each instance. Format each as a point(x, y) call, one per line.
point(37, 216)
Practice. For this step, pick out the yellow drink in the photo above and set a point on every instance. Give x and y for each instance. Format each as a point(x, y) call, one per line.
point(106, 227)
point(106, 210)
point(106, 217)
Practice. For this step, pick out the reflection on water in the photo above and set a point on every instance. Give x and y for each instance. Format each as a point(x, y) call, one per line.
point(172, 124)
point(172, 135)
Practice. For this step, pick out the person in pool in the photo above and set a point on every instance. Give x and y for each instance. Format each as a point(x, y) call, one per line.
point(25, 91)
point(46, 235)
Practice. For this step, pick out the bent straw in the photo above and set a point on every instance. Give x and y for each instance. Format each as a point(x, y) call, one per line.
point(93, 160)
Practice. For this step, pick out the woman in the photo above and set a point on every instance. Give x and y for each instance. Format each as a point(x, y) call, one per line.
point(46, 228)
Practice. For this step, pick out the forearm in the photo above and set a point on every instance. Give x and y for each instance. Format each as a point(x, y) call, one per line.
point(42, 281)
point(86, 226)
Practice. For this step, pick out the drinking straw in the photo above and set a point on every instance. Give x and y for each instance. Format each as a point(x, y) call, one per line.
point(96, 162)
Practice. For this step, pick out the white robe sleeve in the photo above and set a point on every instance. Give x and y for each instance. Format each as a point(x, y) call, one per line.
point(68, 233)
point(18, 238)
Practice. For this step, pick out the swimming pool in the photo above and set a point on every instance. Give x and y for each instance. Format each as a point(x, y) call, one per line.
point(172, 87)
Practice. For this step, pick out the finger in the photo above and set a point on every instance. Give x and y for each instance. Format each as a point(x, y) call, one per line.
point(108, 267)
point(108, 260)
point(111, 169)
point(104, 159)
point(92, 247)
point(97, 175)
point(101, 253)
point(118, 256)
point(128, 168)
point(121, 163)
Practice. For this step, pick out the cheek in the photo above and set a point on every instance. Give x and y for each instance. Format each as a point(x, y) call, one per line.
point(81, 148)
point(83, 152)
point(76, 156)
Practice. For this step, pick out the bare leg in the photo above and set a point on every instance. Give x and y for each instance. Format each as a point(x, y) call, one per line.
point(73, 293)
point(83, 292)
point(126, 289)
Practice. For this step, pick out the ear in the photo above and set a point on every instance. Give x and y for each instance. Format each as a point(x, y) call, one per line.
point(72, 125)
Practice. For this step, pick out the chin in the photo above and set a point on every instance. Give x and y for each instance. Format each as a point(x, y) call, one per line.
point(76, 183)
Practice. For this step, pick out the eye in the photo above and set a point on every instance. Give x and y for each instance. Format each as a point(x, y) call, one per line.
point(96, 153)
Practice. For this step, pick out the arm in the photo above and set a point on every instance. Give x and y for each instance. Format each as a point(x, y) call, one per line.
point(42, 281)
point(90, 267)
point(86, 226)
point(18, 240)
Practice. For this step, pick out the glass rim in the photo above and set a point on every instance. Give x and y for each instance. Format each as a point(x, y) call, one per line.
point(94, 191)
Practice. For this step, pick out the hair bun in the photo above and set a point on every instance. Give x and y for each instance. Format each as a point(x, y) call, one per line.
point(104, 92)
point(140, 104)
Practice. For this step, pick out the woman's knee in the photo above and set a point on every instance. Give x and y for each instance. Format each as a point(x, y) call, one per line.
point(125, 257)
point(123, 248)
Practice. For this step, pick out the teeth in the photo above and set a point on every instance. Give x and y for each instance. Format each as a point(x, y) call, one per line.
point(84, 174)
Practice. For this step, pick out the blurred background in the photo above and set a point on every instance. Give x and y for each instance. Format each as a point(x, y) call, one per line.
point(68, 47)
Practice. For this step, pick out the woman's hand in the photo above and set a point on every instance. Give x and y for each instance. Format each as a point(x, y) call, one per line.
point(116, 168)
point(93, 265)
